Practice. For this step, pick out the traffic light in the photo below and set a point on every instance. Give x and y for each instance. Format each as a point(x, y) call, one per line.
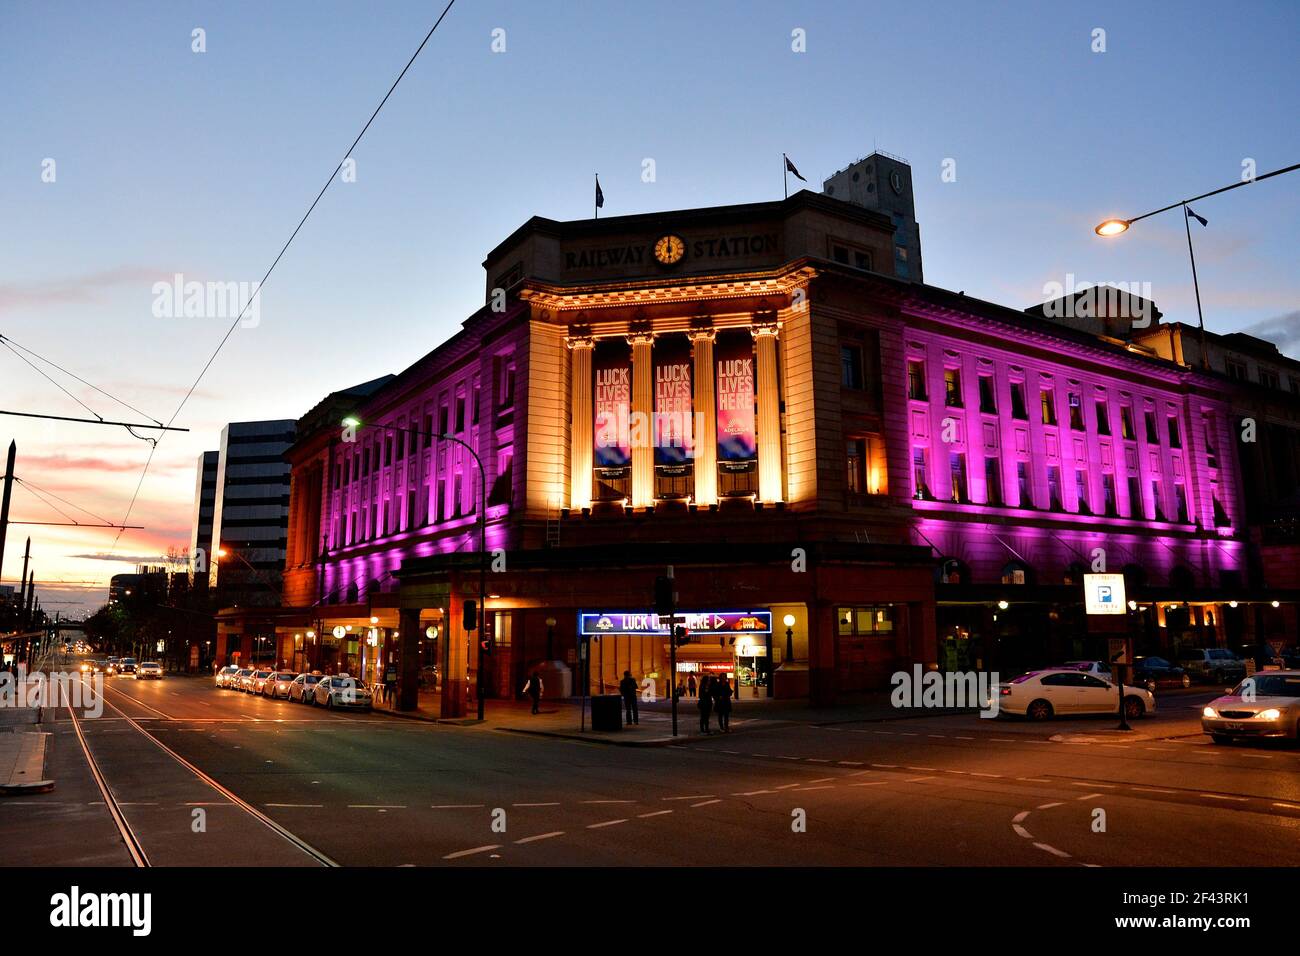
point(665, 596)
point(469, 617)
point(681, 635)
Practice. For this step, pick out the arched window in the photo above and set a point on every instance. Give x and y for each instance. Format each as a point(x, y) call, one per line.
point(352, 593)
point(952, 571)
point(1017, 572)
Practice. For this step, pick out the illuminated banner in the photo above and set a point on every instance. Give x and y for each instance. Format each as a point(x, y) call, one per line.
point(674, 443)
point(735, 397)
point(612, 397)
point(591, 624)
point(1104, 594)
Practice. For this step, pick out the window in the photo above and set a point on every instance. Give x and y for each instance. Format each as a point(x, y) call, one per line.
point(401, 445)
point(1268, 378)
point(1023, 484)
point(441, 503)
point(506, 392)
point(1081, 491)
point(877, 621)
point(841, 254)
point(952, 387)
point(456, 497)
point(503, 488)
point(916, 380)
point(428, 430)
point(1180, 498)
point(1157, 509)
point(1048, 403)
point(1236, 370)
point(408, 520)
point(1211, 455)
point(1103, 418)
point(855, 452)
point(1175, 438)
point(1054, 502)
point(460, 413)
point(1153, 433)
point(1126, 422)
point(475, 412)
point(861, 260)
point(1135, 509)
point(851, 366)
point(388, 450)
point(992, 481)
point(1018, 409)
point(920, 489)
point(957, 471)
point(988, 397)
point(443, 413)
point(1076, 411)
point(1108, 495)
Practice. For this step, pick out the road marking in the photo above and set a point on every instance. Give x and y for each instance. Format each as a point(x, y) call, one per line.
point(541, 836)
point(963, 738)
point(887, 766)
point(917, 779)
point(751, 793)
point(821, 780)
point(701, 796)
point(704, 803)
point(477, 849)
point(789, 758)
point(1287, 806)
point(376, 806)
point(452, 806)
point(1153, 790)
point(607, 823)
point(1108, 786)
point(829, 787)
point(904, 733)
point(818, 760)
point(787, 786)
point(869, 783)
point(933, 769)
point(1088, 796)
point(850, 763)
point(1219, 796)
point(299, 806)
point(1053, 850)
point(976, 773)
point(1048, 806)
point(1034, 779)
point(655, 813)
point(1021, 831)
point(1019, 817)
point(887, 733)
point(556, 804)
point(608, 801)
point(1004, 740)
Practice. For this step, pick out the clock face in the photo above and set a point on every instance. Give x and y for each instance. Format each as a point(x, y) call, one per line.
point(670, 249)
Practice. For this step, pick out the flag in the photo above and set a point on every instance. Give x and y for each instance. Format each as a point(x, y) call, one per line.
point(790, 166)
point(600, 196)
point(1201, 219)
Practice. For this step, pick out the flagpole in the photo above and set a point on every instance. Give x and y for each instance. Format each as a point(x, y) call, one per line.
point(785, 176)
point(595, 200)
point(1200, 316)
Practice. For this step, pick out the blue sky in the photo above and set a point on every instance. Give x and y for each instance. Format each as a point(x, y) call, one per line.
point(172, 161)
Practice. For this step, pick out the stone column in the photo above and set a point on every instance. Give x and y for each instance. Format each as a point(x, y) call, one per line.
point(408, 658)
point(705, 424)
point(769, 414)
point(455, 651)
point(641, 421)
point(581, 428)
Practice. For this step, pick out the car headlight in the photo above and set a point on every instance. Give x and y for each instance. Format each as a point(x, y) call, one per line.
point(1271, 714)
point(1209, 712)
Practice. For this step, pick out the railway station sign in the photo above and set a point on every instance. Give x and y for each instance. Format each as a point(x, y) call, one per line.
point(595, 623)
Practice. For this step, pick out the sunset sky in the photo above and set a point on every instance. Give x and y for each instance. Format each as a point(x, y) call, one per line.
point(169, 161)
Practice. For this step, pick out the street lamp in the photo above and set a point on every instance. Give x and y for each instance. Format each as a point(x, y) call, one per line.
point(550, 638)
point(354, 422)
point(788, 621)
point(1114, 227)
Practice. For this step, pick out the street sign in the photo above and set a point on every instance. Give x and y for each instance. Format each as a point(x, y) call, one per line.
point(1117, 650)
point(1104, 594)
point(697, 623)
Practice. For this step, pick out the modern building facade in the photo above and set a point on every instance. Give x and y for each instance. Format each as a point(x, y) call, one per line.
point(205, 502)
point(250, 508)
point(906, 474)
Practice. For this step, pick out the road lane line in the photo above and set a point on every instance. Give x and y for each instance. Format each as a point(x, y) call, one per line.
point(376, 806)
point(456, 806)
point(1019, 817)
point(869, 783)
point(607, 823)
point(1048, 806)
point(608, 801)
point(1021, 831)
point(830, 787)
point(555, 804)
point(695, 796)
point(477, 849)
point(541, 836)
point(1153, 790)
point(1034, 779)
point(1219, 796)
point(1053, 850)
point(751, 793)
point(850, 763)
point(704, 803)
point(653, 813)
point(1088, 796)
point(887, 766)
point(296, 806)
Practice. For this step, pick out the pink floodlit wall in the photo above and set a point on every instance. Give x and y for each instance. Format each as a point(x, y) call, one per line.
point(1096, 452)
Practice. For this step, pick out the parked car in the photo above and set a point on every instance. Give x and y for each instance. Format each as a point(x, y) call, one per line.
point(258, 681)
point(1155, 672)
point(342, 691)
point(149, 670)
point(277, 685)
point(1041, 695)
point(225, 676)
point(1096, 668)
point(1265, 705)
point(242, 679)
point(303, 688)
point(1217, 665)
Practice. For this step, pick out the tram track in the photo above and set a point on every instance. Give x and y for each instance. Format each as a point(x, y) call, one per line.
point(130, 837)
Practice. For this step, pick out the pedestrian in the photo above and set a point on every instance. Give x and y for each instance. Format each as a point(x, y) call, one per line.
point(690, 685)
point(705, 705)
point(628, 688)
point(722, 703)
point(390, 683)
point(533, 688)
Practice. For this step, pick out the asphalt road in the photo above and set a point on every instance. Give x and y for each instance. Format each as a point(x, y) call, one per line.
point(249, 781)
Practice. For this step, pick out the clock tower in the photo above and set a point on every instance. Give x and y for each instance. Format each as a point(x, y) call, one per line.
point(884, 183)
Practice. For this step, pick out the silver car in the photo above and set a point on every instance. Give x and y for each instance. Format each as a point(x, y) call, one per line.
point(277, 685)
point(342, 691)
point(149, 670)
point(226, 676)
point(1266, 705)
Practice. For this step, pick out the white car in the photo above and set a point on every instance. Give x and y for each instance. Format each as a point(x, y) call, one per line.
point(225, 677)
point(1095, 668)
point(342, 691)
point(1062, 691)
point(303, 688)
point(149, 670)
point(1266, 705)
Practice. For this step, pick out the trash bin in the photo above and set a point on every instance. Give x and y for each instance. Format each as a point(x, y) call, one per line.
point(606, 712)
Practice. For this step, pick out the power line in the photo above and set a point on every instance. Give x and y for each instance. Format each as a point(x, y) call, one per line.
point(14, 345)
point(235, 324)
point(32, 486)
point(42, 373)
point(96, 421)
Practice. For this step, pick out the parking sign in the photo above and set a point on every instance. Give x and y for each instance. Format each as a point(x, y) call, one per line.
point(1104, 594)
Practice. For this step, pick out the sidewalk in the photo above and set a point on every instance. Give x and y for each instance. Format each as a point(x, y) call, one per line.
point(22, 754)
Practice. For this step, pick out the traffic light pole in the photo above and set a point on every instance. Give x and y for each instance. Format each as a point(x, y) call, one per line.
point(672, 648)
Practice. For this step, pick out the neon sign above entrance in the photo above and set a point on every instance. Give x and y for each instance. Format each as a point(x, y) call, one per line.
point(594, 623)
